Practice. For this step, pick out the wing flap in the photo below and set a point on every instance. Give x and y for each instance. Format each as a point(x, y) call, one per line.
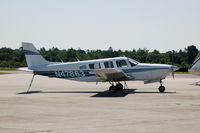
point(110, 75)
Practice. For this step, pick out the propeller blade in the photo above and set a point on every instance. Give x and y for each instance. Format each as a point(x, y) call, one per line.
point(173, 69)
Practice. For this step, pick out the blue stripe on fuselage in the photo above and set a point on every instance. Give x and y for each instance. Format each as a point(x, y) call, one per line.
point(65, 73)
point(71, 73)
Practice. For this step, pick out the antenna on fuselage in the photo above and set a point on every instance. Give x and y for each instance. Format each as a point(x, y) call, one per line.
point(173, 54)
point(60, 59)
point(77, 59)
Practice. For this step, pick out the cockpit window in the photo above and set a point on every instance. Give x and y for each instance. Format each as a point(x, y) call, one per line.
point(132, 62)
point(121, 63)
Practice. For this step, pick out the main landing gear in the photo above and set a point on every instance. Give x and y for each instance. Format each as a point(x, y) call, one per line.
point(114, 88)
point(161, 88)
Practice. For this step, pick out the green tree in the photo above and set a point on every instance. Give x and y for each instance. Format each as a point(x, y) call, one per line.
point(192, 52)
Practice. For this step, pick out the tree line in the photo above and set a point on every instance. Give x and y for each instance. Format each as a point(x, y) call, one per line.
point(184, 58)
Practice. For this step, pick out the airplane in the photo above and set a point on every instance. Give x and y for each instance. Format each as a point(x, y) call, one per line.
point(195, 69)
point(113, 70)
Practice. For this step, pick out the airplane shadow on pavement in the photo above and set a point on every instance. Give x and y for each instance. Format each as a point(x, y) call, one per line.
point(125, 93)
point(103, 94)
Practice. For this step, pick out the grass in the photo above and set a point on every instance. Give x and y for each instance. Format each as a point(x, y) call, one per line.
point(3, 73)
point(182, 73)
point(7, 69)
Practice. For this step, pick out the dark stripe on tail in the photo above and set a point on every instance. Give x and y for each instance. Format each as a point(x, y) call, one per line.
point(28, 52)
point(196, 61)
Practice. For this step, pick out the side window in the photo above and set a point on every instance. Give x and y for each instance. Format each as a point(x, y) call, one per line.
point(121, 63)
point(108, 64)
point(95, 66)
point(83, 67)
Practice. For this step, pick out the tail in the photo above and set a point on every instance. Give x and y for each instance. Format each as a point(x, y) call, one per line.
point(33, 57)
point(196, 65)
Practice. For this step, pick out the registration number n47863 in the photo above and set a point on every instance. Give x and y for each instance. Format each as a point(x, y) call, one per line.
point(69, 74)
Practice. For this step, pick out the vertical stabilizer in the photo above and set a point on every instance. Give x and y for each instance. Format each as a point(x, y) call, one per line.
point(195, 69)
point(33, 57)
point(197, 61)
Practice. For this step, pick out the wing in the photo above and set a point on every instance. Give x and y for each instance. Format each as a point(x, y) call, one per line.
point(110, 74)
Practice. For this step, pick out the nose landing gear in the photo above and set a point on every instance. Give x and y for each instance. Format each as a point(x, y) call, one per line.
point(161, 88)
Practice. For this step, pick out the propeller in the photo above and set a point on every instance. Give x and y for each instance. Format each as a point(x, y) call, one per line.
point(173, 74)
point(173, 69)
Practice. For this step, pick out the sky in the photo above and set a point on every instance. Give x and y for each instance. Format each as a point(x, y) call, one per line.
point(98, 24)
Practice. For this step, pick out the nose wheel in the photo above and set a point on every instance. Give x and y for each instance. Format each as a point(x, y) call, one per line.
point(161, 88)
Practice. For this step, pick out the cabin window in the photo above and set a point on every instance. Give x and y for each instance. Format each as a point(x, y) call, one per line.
point(121, 63)
point(83, 67)
point(108, 64)
point(95, 66)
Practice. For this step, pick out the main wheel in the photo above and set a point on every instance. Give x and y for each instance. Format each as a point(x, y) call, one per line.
point(161, 89)
point(119, 86)
point(113, 89)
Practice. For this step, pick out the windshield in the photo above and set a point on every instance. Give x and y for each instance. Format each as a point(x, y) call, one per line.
point(132, 62)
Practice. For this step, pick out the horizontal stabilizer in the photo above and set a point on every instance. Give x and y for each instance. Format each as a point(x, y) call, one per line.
point(25, 69)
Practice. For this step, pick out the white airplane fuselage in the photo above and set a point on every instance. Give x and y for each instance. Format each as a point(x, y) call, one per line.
point(83, 70)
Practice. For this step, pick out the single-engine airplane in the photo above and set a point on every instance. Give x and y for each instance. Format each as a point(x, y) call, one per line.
point(112, 70)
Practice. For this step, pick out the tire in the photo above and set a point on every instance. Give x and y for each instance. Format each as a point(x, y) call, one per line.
point(119, 86)
point(161, 89)
point(113, 89)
